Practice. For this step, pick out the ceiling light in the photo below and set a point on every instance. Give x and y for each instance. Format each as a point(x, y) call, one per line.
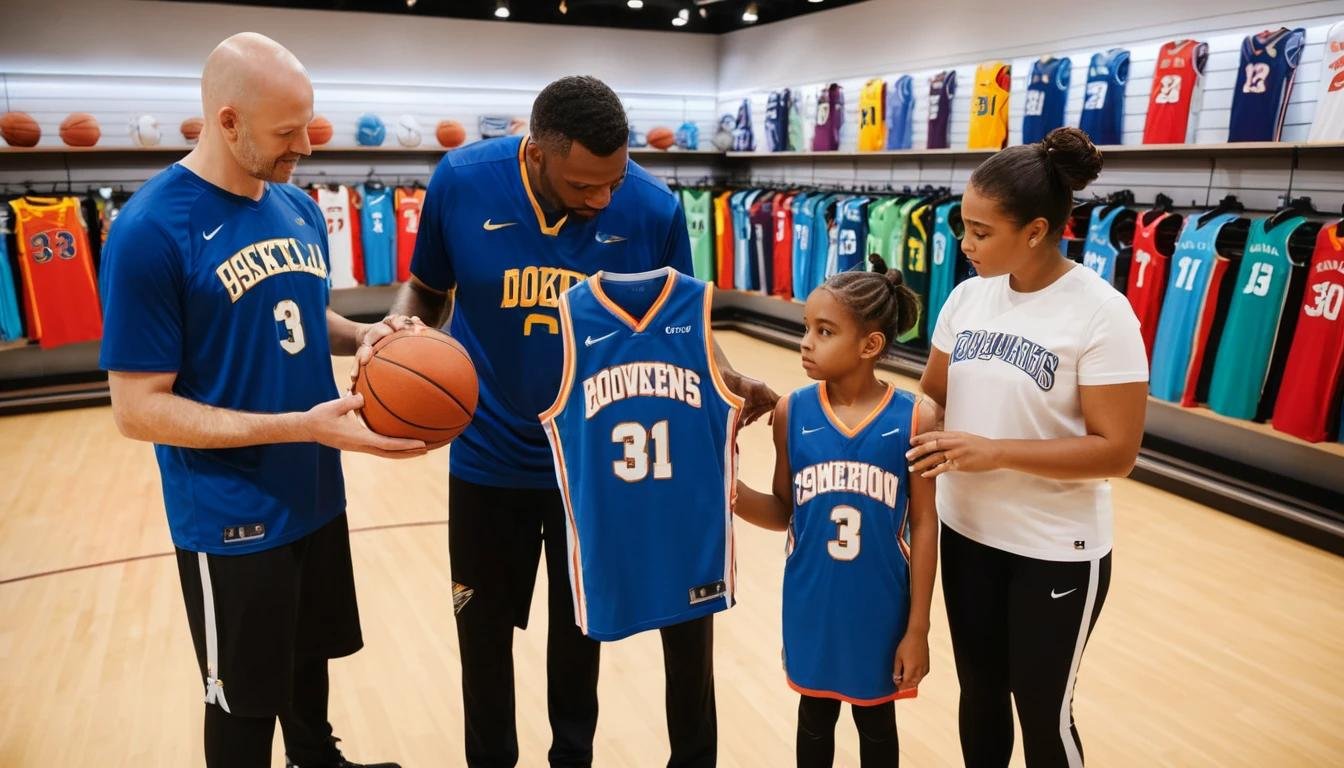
point(679, 21)
point(704, 13)
point(750, 15)
point(635, 4)
point(564, 7)
point(501, 10)
point(410, 3)
point(814, 1)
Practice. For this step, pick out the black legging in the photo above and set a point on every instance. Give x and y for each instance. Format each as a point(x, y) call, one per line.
point(1019, 626)
point(878, 745)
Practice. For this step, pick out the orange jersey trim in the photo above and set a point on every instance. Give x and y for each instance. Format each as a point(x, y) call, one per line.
point(553, 230)
point(840, 425)
point(910, 694)
point(639, 325)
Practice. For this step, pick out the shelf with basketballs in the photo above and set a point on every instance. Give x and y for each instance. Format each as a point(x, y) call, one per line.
point(1149, 151)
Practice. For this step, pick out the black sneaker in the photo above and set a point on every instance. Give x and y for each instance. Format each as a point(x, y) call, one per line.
point(341, 762)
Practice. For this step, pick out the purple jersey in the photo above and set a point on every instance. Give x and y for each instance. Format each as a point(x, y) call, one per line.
point(830, 118)
point(942, 89)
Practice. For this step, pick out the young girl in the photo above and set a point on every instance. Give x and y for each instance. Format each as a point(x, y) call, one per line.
point(1041, 367)
point(856, 595)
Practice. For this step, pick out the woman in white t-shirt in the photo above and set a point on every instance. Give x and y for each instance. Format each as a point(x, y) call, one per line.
point(1043, 375)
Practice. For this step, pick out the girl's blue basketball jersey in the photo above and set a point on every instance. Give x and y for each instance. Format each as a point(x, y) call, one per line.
point(1101, 252)
point(1047, 91)
point(642, 433)
point(901, 113)
point(378, 234)
point(847, 576)
point(1192, 266)
point(1264, 84)
point(1103, 118)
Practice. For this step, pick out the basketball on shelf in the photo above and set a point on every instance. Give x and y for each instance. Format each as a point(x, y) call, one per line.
point(319, 131)
point(80, 129)
point(408, 131)
point(450, 133)
point(419, 384)
point(191, 128)
point(145, 131)
point(19, 129)
point(661, 137)
point(370, 131)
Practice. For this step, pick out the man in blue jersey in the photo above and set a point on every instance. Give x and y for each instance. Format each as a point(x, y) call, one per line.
point(218, 343)
point(508, 225)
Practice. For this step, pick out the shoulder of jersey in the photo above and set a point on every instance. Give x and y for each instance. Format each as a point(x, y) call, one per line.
point(166, 193)
point(485, 151)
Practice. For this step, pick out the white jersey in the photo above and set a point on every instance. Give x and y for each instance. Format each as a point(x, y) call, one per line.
point(1016, 361)
point(1329, 122)
point(336, 208)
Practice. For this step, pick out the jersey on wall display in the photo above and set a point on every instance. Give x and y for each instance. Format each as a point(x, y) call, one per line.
point(901, 113)
point(873, 115)
point(830, 118)
point(1103, 117)
point(1047, 91)
point(1328, 124)
point(1173, 103)
point(942, 90)
point(989, 106)
point(1264, 84)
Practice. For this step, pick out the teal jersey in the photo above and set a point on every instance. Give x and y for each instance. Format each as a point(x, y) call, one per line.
point(698, 204)
point(1255, 333)
point(881, 218)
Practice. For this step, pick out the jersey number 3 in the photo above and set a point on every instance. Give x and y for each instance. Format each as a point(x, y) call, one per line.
point(291, 340)
point(634, 465)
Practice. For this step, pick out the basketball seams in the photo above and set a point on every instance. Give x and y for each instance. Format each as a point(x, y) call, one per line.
point(368, 384)
point(433, 383)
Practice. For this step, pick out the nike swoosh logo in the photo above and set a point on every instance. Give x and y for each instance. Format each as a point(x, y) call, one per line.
point(211, 236)
point(1061, 594)
point(609, 239)
point(807, 431)
point(490, 227)
point(590, 341)
point(892, 432)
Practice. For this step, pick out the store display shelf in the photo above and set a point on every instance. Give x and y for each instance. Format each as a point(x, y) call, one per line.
point(318, 152)
point(1269, 149)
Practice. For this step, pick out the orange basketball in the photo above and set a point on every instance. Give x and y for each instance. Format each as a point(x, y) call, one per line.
point(661, 137)
point(80, 129)
point(319, 131)
point(419, 384)
point(191, 128)
point(450, 133)
point(19, 129)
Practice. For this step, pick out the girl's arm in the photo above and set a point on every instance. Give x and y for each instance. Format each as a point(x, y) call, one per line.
point(912, 655)
point(771, 511)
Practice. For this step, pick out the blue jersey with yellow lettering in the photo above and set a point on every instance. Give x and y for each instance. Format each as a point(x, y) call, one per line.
point(378, 234)
point(847, 576)
point(483, 232)
point(230, 294)
point(642, 432)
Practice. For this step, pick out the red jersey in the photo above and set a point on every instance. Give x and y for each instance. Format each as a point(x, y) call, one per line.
point(1207, 334)
point(409, 201)
point(783, 251)
point(60, 294)
point(723, 242)
point(1148, 271)
point(1173, 104)
point(1308, 401)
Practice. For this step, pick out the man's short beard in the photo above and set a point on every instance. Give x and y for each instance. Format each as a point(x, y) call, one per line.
point(253, 163)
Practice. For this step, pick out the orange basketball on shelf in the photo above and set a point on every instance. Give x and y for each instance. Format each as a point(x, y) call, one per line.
point(80, 129)
point(19, 129)
point(450, 133)
point(319, 131)
point(661, 137)
point(191, 128)
point(419, 384)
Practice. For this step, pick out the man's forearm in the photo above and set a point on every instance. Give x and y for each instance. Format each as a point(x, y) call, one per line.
point(169, 419)
point(343, 333)
point(415, 299)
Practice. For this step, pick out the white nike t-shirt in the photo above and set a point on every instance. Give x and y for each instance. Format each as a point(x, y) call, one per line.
point(1016, 361)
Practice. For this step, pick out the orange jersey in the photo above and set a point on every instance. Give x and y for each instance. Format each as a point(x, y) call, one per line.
point(409, 202)
point(59, 290)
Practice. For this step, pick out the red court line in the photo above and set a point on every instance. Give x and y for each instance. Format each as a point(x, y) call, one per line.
point(120, 561)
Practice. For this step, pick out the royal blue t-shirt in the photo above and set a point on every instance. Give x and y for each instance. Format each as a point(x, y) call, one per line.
point(231, 294)
point(483, 234)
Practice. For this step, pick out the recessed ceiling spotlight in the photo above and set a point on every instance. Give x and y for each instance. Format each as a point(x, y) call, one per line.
point(564, 7)
point(501, 10)
point(635, 4)
point(750, 15)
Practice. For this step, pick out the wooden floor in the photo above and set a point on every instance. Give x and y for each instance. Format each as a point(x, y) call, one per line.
point(1221, 644)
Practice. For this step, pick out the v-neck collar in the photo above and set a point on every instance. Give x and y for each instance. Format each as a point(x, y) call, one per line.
point(552, 230)
point(839, 424)
point(670, 277)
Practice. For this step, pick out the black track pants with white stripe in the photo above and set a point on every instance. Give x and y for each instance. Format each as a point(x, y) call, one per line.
point(1019, 626)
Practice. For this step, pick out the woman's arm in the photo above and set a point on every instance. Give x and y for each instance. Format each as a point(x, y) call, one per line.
point(771, 510)
point(934, 380)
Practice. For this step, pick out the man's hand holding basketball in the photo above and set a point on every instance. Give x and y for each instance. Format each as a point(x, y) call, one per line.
point(333, 424)
point(374, 333)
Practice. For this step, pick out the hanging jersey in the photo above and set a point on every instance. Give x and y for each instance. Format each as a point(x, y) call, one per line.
point(916, 269)
point(777, 121)
point(1328, 124)
point(1073, 239)
point(898, 232)
point(873, 115)
point(830, 118)
point(1106, 252)
point(642, 433)
point(851, 236)
point(697, 204)
point(11, 326)
point(1264, 84)
point(782, 279)
point(1250, 360)
point(337, 207)
point(1153, 244)
point(60, 295)
point(881, 219)
point(723, 242)
point(989, 106)
point(901, 113)
point(1188, 309)
point(797, 127)
point(409, 201)
point(744, 136)
point(739, 205)
point(825, 238)
point(948, 266)
point(1047, 91)
point(1173, 103)
point(1309, 396)
point(377, 235)
point(802, 237)
point(761, 270)
point(847, 573)
point(1103, 118)
point(942, 90)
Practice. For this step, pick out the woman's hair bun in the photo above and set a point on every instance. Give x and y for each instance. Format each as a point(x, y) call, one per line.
point(1072, 156)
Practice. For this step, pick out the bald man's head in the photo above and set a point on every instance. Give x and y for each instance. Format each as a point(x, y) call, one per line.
point(258, 101)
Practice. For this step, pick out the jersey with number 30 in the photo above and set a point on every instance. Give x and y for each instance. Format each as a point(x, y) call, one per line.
point(642, 433)
point(230, 294)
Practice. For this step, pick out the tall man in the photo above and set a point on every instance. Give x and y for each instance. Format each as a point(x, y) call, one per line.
point(507, 226)
point(218, 344)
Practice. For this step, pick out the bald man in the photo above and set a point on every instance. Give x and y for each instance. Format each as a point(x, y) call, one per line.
point(218, 343)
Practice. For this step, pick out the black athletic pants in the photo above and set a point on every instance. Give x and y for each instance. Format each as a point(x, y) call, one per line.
point(878, 745)
point(1019, 626)
point(495, 537)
